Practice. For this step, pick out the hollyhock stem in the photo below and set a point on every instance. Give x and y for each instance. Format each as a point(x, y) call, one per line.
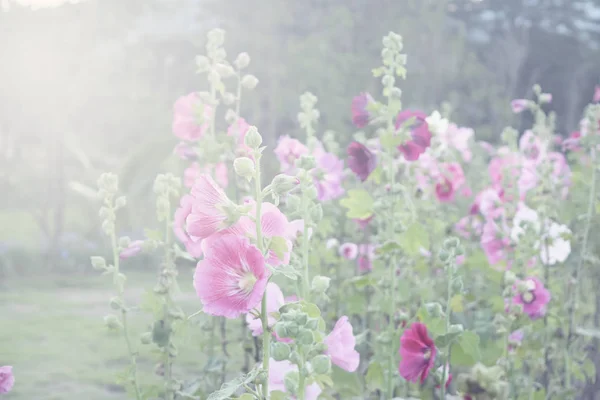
point(450, 267)
point(305, 251)
point(392, 277)
point(113, 239)
point(301, 381)
point(169, 263)
point(266, 337)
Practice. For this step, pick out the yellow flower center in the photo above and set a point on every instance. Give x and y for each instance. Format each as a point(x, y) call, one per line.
point(246, 283)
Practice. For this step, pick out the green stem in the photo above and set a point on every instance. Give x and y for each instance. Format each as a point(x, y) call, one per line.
point(169, 263)
point(301, 382)
point(305, 251)
point(132, 358)
point(448, 313)
point(239, 95)
point(266, 337)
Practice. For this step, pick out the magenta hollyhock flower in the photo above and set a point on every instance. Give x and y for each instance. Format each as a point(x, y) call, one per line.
point(288, 150)
point(361, 160)
point(192, 117)
point(417, 351)
point(534, 299)
point(419, 132)
point(452, 178)
point(7, 379)
point(519, 105)
point(238, 130)
point(193, 245)
point(328, 175)
point(232, 278)
point(596, 97)
point(132, 250)
point(349, 251)
point(360, 113)
point(274, 302)
point(277, 372)
point(211, 209)
point(340, 346)
point(515, 339)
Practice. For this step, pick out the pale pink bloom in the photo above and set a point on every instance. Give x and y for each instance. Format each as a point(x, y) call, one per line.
point(195, 170)
point(490, 149)
point(596, 97)
point(450, 180)
point(366, 254)
point(296, 229)
point(494, 242)
point(191, 173)
point(288, 150)
point(232, 278)
point(532, 147)
point(274, 301)
point(211, 209)
point(192, 118)
point(328, 175)
point(519, 105)
point(238, 130)
point(561, 172)
point(340, 346)
point(515, 339)
point(490, 203)
point(469, 226)
point(7, 379)
point(193, 245)
point(349, 251)
point(184, 151)
point(277, 372)
point(132, 250)
point(458, 138)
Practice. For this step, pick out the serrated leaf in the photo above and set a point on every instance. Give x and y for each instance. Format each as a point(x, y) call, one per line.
point(465, 352)
point(413, 239)
point(444, 340)
point(456, 303)
point(228, 389)
point(286, 270)
point(388, 247)
point(359, 204)
point(374, 378)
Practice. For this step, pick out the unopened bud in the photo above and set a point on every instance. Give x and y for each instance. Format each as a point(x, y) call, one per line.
point(244, 167)
point(161, 332)
point(216, 37)
point(228, 98)
point(249, 81)
point(510, 278)
point(283, 184)
point(242, 60)
point(224, 70)
point(253, 139)
point(444, 255)
point(306, 337)
point(291, 382)
point(98, 262)
point(451, 243)
point(280, 351)
point(124, 241)
point(116, 303)
point(120, 202)
point(434, 309)
point(545, 98)
point(321, 364)
point(320, 284)
point(202, 62)
point(458, 328)
point(112, 322)
point(146, 338)
point(306, 162)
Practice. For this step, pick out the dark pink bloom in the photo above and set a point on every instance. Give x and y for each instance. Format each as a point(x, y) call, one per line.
point(534, 299)
point(7, 379)
point(419, 133)
point(349, 251)
point(340, 346)
point(519, 105)
point(133, 249)
point(417, 351)
point(360, 113)
point(450, 180)
point(232, 278)
point(361, 160)
point(192, 118)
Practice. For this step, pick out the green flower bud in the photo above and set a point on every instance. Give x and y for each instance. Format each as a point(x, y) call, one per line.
point(293, 329)
point(295, 357)
point(224, 70)
point(120, 202)
point(112, 322)
point(244, 167)
point(306, 337)
point(312, 324)
point(216, 37)
point(445, 255)
point(510, 278)
point(161, 332)
point(283, 184)
point(253, 138)
point(213, 77)
point(281, 329)
point(301, 319)
point(306, 162)
point(108, 227)
point(98, 262)
point(434, 309)
point(242, 60)
point(116, 303)
point(457, 285)
point(451, 243)
point(228, 98)
point(320, 284)
point(202, 62)
point(321, 364)
point(249, 81)
point(388, 81)
point(124, 241)
point(311, 193)
point(280, 351)
point(291, 382)
point(458, 328)
point(146, 338)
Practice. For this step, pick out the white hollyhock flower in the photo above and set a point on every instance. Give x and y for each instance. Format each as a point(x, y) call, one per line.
point(524, 217)
point(555, 248)
point(437, 124)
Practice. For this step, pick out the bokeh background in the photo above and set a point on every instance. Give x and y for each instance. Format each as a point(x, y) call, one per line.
point(89, 87)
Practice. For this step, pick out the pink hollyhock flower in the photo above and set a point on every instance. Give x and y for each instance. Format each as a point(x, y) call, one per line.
point(572, 142)
point(534, 298)
point(494, 242)
point(184, 151)
point(191, 173)
point(211, 209)
point(132, 250)
point(296, 229)
point(192, 118)
point(419, 133)
point(328, 175)
point(238, 130)
point(232, 278)
point(349, 251)
point(361, 160)
point(596, 97)
point(490, 203)
point(458, 138)
point(418, 352)
point(7, 379)
point(531, 147)
point(469, 226)
point(277, 372)
point(360, 113)
point(288, 150)
point(366, 254)
point(195, 170)
point(340, 346)
point(519, 105)
point(561, 172)
point(363, 223)
point(515, 339)
point(274, 302)
point(193, 245)
point(452, 178)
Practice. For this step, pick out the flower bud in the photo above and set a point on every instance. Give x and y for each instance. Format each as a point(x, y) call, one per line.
point(311, 193)
point(281, 329)
point(457, 285)
point(280, 351)
point(98, 262)
point(120, 202)
point(434, 309)
point(444, 255)
point(510, 278)
point(116, 303)
point(457, 328)
point(312, 324)
point(202, 62)
point(112, 322)
point(283, 184)
point(321, 364)
point(216, 37)
point(249, 81)
point(242, 60)
point(224, 70)
point(244, 167)
point(291, 382)
point(161, 332)
point(214, 77)
point(124, 241)
point(228, 98)
point(320, 284)
point(295, 357)
point(451, 243)
point(253, 138)
point(108, 227)
point(306, 337)
point(146, 338)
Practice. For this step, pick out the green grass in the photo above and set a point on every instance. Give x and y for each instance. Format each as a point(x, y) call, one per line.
point(52, 333)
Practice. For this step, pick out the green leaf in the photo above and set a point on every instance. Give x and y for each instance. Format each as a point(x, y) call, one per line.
point(228, 389)
point(445, 340)
point(456, 303)
point(348, 383)
point(359, 204)
point(279, 246)
point(311, 310)
point(375, 378)
point(594, 333)
point(414, 238)
point(388, 247)
point(465, 352)
point(435, 325)
point(278, 395)
point(286, 270)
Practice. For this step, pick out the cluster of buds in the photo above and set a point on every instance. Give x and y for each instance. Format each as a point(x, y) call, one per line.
point(484, 382)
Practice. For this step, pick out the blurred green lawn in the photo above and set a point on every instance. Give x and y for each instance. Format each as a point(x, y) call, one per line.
point(52, 333)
